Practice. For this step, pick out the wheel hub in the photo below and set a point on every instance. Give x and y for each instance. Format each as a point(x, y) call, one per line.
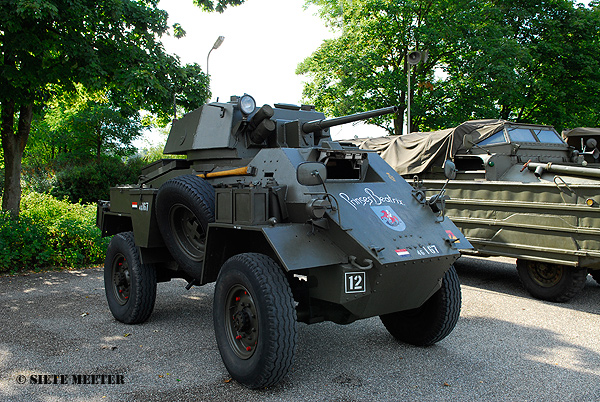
point(241, 322)
point(121, 280)
point(546, 275)
point(188, 232)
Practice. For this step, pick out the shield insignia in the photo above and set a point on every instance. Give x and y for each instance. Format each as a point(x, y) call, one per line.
point(389, 217)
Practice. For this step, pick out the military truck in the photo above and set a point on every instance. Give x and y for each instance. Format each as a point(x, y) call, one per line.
point(292, 227)
point(520, 192)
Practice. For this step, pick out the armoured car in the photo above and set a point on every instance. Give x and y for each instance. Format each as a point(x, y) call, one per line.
point(520, 192)
point(292, 227)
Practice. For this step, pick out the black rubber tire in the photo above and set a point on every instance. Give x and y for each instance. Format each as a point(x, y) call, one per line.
point(596, 275)
point(255, 320)
point(130, 285)
point(433, 321)
point(551, 282)
point(185, 205)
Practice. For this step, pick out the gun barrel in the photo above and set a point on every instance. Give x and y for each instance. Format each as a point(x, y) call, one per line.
point(322, 124)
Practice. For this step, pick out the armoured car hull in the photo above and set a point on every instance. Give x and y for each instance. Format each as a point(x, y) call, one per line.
point(520, 192)
point(290, 225)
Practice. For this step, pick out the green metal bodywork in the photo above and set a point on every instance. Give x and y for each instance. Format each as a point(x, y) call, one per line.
point(344, 262)
point(505, 208)
point(548, 222)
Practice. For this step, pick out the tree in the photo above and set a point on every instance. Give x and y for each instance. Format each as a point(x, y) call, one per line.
point(525, 60)
point(539, 62)
point(91, 181)
point(113, 45)
point(218, 5)
point(83, 125)
point(366, 66)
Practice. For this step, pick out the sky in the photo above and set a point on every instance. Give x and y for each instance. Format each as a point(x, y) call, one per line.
point(264, 42)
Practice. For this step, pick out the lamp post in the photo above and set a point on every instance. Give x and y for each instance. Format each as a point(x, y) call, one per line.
point(218, 43)
point(413, 58)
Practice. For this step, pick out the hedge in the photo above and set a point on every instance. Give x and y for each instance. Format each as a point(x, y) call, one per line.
point(50, 233)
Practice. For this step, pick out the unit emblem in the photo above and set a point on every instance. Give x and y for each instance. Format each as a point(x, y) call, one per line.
point(387, 215)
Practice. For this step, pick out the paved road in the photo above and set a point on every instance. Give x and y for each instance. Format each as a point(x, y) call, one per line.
point(506, 347)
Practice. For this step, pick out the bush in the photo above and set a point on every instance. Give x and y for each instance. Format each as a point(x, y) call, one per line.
point(37, 177)
point(50, 233)
point(92, 181)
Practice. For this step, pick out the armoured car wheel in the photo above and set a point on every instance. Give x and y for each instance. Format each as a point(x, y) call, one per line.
point(551, 282)
point(130, 285)
point(185, 205)
point(434, 320)
point(255, 320)
point(596, 275)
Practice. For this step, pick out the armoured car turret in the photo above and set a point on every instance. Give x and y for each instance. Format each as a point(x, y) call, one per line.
point(292, 226)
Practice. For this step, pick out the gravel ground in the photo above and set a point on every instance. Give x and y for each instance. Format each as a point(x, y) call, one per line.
point(505, 347)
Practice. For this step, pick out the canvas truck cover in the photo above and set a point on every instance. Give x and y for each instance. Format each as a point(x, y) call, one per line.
point(415, 152)
point(581, 131)
point(579, 136)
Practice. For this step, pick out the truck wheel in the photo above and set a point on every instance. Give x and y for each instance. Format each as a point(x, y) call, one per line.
point(130, 285)
point(433, 321)
point(255, 320)
point(551, 282)
point(184, 206)
point(596, 275)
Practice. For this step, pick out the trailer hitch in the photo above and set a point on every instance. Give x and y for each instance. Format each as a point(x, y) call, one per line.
point(367, 261)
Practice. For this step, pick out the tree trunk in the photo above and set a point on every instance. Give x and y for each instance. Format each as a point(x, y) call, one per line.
point(13, 145)
point(505, 112)
point(399, 121)
point(98, 144)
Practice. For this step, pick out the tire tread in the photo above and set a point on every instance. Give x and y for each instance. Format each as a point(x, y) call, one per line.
point(144, 276)
point(274, 284)
point(280, 312)
point(573, 283)
point(431, 322)
point(196, 192)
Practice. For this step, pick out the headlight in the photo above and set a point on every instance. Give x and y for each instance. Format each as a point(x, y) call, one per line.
point(247, 104)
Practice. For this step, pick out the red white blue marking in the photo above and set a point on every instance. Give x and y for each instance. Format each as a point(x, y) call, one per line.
point(402, 252)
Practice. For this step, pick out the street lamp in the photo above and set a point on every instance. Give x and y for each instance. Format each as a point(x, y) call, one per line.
point(413, 58)
point(218, 43)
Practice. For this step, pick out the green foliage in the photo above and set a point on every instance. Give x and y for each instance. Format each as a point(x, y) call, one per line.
point(80, 126)
point(112, 46)
point(37, 177)
point(50, 233)
point(217, 5)
point(91, 182)
point(366, 67)
point(178, 31)
point(155, 153)
point(528, 61)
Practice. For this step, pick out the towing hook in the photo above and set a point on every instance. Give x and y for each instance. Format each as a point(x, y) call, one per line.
point(369, 262)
